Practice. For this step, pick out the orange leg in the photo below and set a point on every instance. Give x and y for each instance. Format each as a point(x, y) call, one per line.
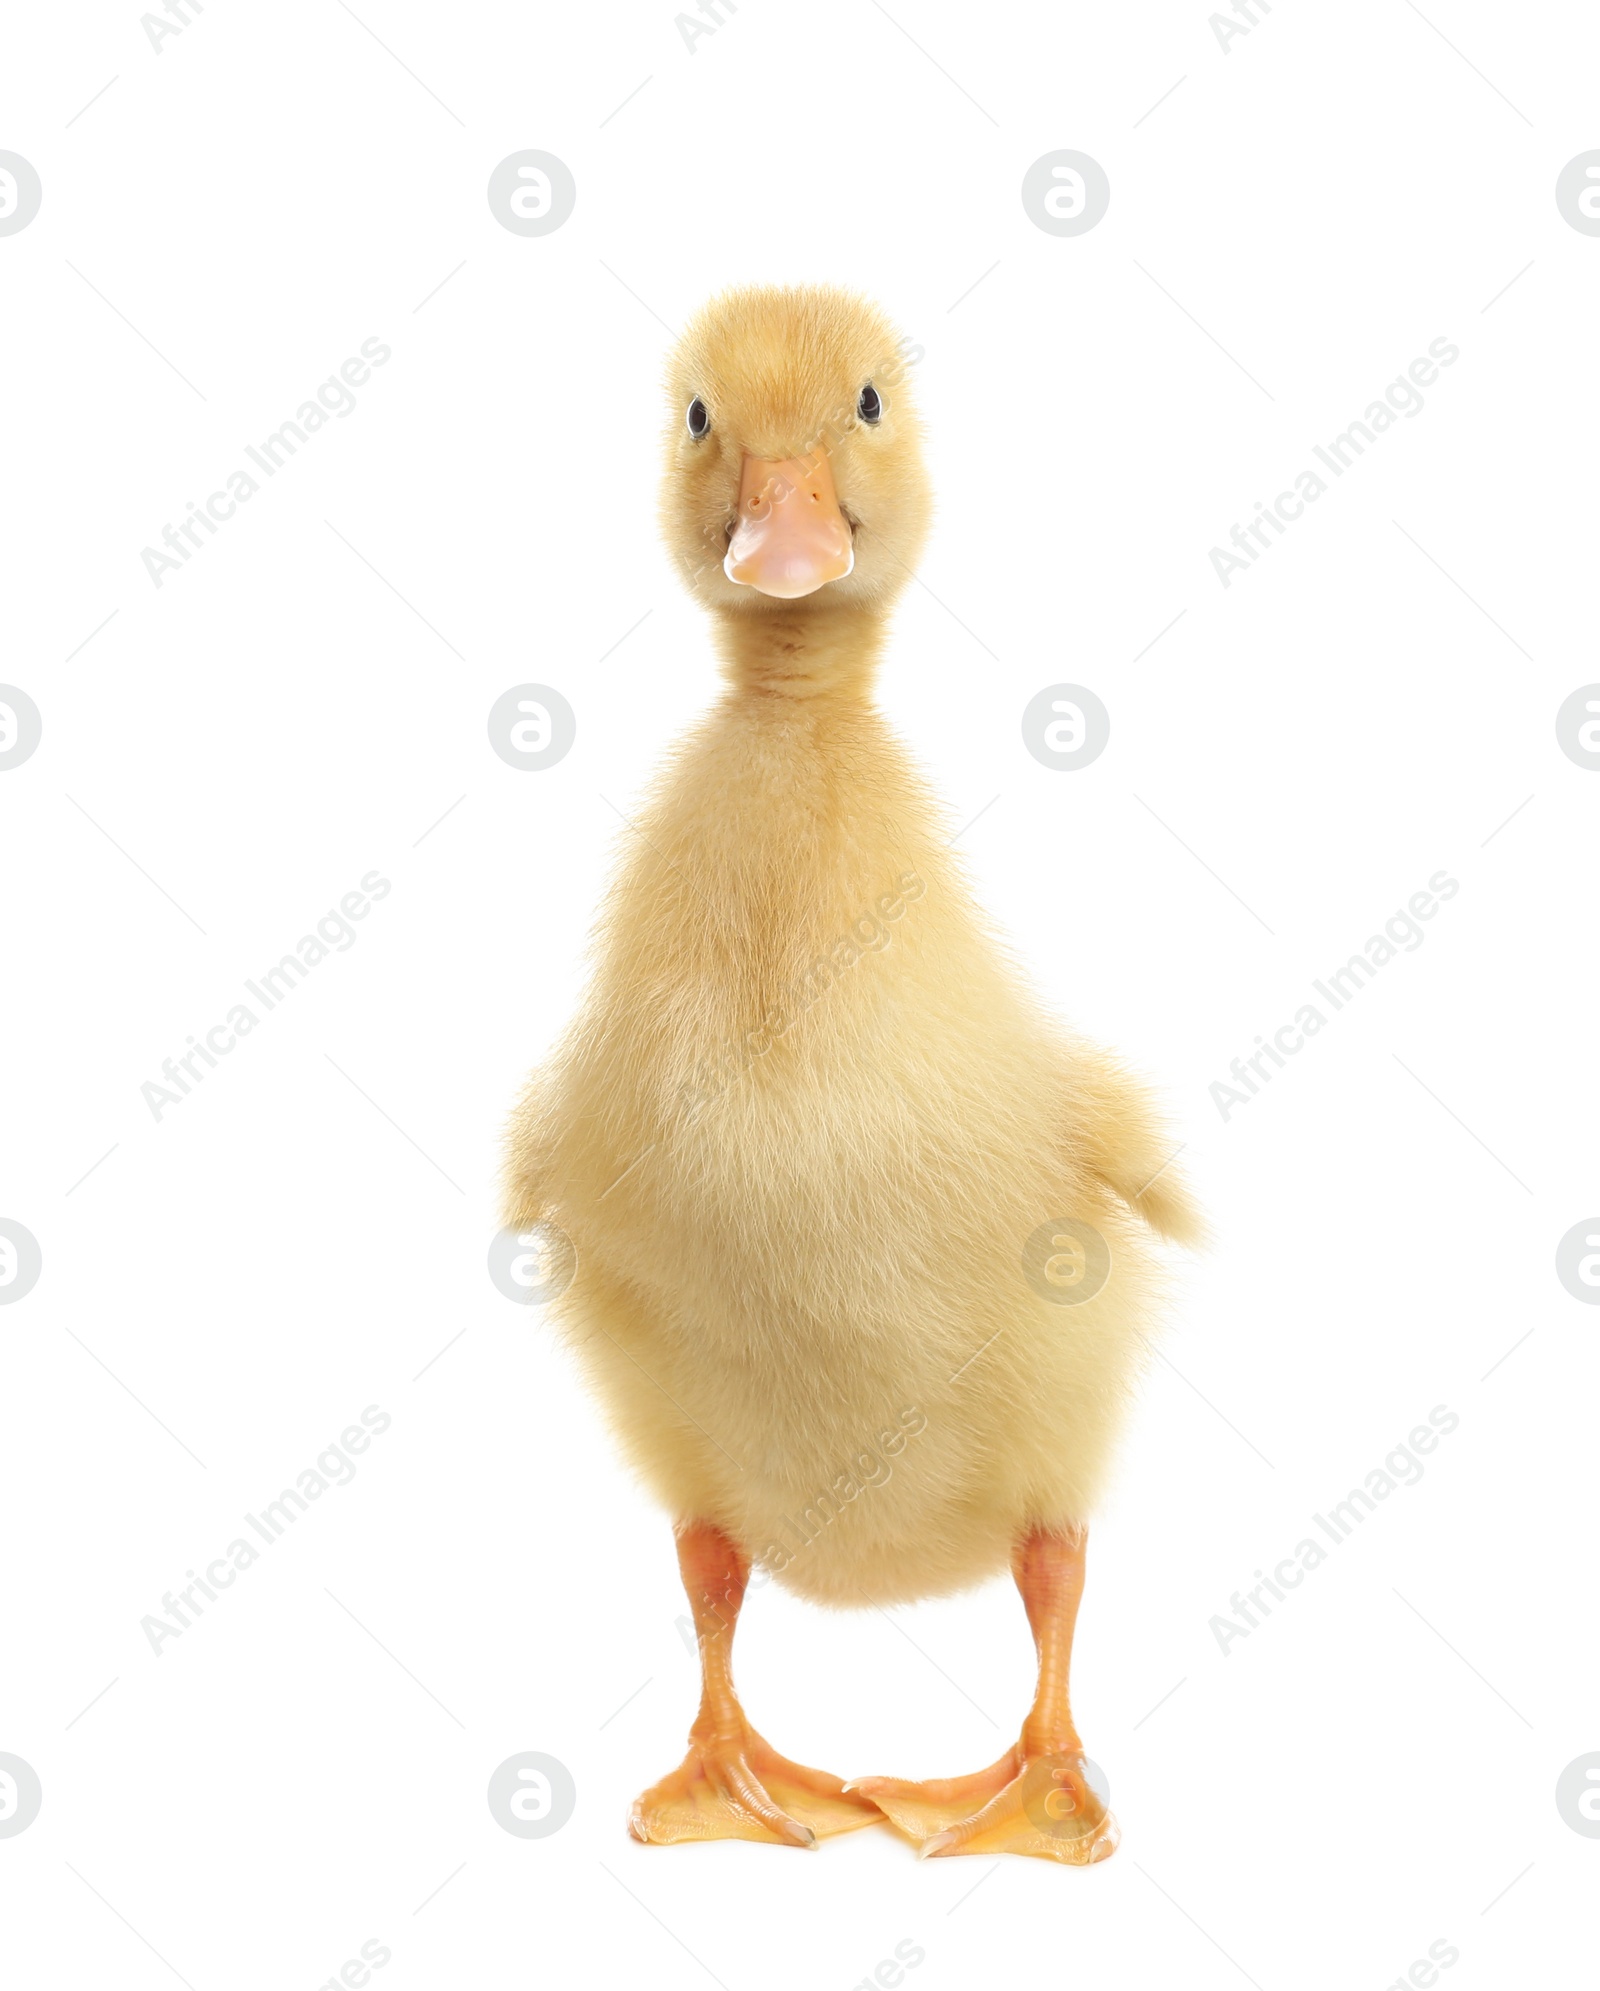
point(733, 1784)
point(1038, 1798)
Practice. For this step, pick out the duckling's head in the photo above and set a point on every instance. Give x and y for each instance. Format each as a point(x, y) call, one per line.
point(794, 486)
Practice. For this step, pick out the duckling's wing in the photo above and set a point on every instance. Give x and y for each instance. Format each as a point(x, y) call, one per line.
point(1120, 1134)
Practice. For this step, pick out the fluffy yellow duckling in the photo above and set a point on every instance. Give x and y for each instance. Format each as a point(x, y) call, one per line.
point(834, 1177)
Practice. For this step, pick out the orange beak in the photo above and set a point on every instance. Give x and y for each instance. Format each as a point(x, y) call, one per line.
point(791, 538)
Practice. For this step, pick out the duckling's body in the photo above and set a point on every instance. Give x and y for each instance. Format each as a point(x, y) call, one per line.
point(800, 1193)
point(811, 1127)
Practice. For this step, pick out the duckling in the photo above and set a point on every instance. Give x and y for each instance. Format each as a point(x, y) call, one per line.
point(827, 1166)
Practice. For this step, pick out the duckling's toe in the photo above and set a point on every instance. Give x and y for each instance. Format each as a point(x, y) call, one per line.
point(1042, 1806)
point(741, 1788)
point(922, 1809)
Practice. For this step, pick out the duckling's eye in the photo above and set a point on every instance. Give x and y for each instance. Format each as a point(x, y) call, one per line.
point(698, 418)
point(869, 407)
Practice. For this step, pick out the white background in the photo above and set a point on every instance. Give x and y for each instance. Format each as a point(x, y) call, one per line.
point(304, 1769)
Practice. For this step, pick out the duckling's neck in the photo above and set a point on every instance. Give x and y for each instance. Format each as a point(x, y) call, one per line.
point(800, 650)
